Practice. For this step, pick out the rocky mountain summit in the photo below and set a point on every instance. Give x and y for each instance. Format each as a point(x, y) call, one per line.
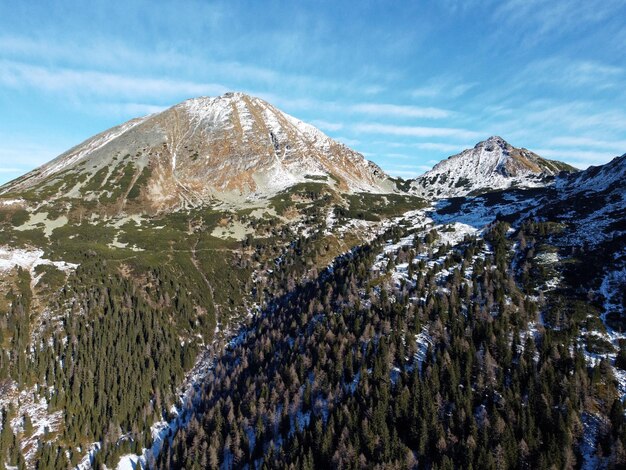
point(491, 165)
point(232, 148)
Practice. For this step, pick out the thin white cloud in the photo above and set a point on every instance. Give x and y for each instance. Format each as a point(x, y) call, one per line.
point(615, 146)
point(118, 57)
point(442, 87)
point(401, 111)
point(19, 75)
point(110, 54)
point(326, 125)
point(568, 72)
point(373, 89)
point(128, 109)
point(576, 115)
point(380, 109)
point(577, 158)
point(552, 18)
point(414, 131)
point(440, 147)
point(543, 119)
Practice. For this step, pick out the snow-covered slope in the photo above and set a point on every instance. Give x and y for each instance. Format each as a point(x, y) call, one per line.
point(230, 148)
point(593, 202)
point(597, 178)
point(491, 165)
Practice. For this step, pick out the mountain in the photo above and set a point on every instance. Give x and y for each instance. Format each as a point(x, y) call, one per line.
point(610, 176)
point(492, 164)
point(485, 331)
point(127, 259)
point(233, 148)
point(222, 286)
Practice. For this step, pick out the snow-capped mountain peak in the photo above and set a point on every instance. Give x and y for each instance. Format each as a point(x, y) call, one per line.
point(490, 165)
point(232, 148)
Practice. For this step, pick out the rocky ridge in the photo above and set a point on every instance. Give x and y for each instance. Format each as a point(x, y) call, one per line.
point(492, 164)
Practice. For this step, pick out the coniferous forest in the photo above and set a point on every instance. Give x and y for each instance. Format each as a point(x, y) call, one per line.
point(411, 349)
point(339, 373)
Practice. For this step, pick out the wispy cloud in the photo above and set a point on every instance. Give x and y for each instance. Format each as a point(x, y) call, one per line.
point(110, 54)
point(576, 115)
point(577, 158)
point(128, 109)
point(568, 72)
point(326, 125)
point(415, 131)
point(402, 111)
point(615, 146)
point(372, 108)
point(596, 125)
point(441, 147)
point(119, 57)
point(373, 89)
point(442, 87)
point(549, 17)
point(72, 81)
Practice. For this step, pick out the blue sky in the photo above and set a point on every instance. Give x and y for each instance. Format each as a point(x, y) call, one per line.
point(405, 83)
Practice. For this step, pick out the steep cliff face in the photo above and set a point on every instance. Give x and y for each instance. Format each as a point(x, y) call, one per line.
point(230, 148)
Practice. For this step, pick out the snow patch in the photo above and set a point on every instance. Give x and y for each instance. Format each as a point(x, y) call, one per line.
point(29, 260)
